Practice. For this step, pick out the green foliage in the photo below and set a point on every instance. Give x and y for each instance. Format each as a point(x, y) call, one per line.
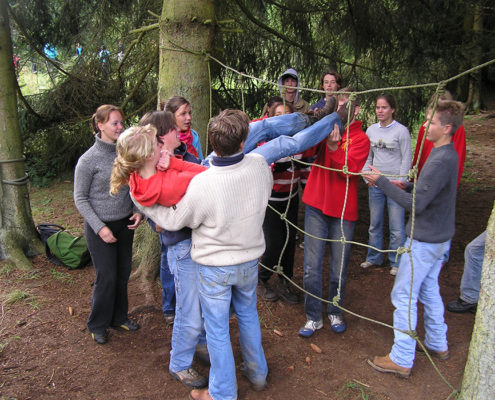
point(371, 43)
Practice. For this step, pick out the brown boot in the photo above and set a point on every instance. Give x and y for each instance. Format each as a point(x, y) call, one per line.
point(330, 107)
point(200, 394)
point(385, 364)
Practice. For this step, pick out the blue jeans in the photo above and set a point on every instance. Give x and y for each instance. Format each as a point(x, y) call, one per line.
point(324, 227)
point(188, 329)
point(270, 128)
point(279, 146)
point(427, 261)
point(218, 287)
point(167, 282)
point(473, 263)
point(377, 202)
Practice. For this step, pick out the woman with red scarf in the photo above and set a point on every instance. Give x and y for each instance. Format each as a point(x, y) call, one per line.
point(181, 108)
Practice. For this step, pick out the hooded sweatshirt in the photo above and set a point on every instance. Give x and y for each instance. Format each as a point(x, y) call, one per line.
point(299, 104)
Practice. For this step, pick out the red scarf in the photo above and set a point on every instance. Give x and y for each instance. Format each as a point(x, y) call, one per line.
point(187, 138)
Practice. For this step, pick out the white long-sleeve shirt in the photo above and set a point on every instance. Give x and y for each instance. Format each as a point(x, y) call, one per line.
point(390, 149)
point(225, 207)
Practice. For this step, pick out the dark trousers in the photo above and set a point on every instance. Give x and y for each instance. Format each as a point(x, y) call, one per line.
point(275, 236)
point(112, 262)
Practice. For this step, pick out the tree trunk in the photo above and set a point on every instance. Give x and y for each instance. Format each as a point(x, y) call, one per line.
point(185, 74)
point(478, 382)
point(17, 232)
point(185, 23)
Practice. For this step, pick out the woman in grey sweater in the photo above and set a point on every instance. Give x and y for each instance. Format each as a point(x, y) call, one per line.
point(109, 224)
point(390, 148)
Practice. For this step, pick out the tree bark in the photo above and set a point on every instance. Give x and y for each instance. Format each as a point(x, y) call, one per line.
point(18, 237)
point(478, 382)
point(181, 72)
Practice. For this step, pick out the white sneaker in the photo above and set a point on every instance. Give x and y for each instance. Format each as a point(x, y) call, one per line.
point(393, 271)
point(310, 328)
point(366, 264)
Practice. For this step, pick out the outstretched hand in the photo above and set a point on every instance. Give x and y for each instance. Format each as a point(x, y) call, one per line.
point(334, 138)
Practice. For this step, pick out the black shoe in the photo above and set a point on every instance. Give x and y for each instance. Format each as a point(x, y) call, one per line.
point(330, 107)
point(461, 306)
point(128, 325)
point(266, 292)
point(285, 294)
point(100, 338)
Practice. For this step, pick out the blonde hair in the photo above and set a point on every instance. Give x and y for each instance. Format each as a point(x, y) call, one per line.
point(134, 146)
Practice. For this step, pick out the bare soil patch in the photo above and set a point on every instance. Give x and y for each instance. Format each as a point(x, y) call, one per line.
point(46, 352)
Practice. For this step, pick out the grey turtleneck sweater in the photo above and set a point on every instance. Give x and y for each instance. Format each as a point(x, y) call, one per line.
point(92, 187)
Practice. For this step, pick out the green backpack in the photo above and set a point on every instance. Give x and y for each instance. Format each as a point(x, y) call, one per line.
point(70, 251)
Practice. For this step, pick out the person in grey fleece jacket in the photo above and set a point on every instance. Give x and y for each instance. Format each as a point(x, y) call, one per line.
point(390, 152)
point(109, 224)
point(434, 225)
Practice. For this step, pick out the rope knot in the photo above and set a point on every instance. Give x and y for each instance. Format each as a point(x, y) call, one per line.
point(413, 173)
point(345, 169)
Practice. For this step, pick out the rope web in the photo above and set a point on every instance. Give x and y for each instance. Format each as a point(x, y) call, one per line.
point(412, 175)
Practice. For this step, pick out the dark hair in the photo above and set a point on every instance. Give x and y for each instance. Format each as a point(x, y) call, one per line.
point(163, 121)
point(274, 99)
point(271, 110)
point(390, 100)
point(336, 75)
point(227, 131)
point(102, 115)
point(173, 104)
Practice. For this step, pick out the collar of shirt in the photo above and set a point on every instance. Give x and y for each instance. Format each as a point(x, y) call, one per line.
point(226, 161)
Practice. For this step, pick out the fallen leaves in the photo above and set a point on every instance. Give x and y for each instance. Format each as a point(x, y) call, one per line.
point(316, 348)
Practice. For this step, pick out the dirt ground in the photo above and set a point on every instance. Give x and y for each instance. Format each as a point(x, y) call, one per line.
point(46, 351)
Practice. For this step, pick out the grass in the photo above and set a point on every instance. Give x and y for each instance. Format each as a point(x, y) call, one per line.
point(17, 296)
point(356, 390)
point(7, 269)
point(63, 276)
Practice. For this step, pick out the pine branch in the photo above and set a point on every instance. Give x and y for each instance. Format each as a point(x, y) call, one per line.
point(288, 40)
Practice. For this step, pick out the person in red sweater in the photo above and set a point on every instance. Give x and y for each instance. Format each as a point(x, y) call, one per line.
point(459, 140)
point(331, 196)
point(138, 155)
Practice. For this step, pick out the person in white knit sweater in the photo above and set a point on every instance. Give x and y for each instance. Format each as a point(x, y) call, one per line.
point(225, 207)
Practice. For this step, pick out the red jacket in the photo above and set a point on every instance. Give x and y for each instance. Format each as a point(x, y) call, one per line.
point(165, 187)
point(326, 189)
point(459, 140)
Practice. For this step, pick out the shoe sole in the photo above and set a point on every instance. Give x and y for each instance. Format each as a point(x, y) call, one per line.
point(471, 310)
point(302, 334)
point(433, 353)
point(391, 371)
